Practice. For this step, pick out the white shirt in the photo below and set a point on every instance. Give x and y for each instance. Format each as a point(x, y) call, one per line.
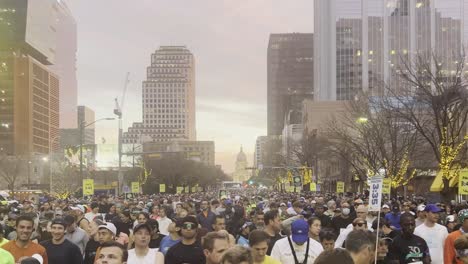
point(150, 257)
point(435, 239)
point(163, 225)
point(282, 251)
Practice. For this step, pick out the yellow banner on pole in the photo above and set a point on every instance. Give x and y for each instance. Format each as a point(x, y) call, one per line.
point(88, 187)
point(187, 189)
point(289, 189)
point(313, 187)
point(194, 189)
point(162, 188)
point(340, 187)
point(463, 182)
point(135, 187)
point(179, 189)
point(386, 187)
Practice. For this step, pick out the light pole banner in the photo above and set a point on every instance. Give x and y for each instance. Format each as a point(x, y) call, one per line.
point(463, 182)
point(340, 187)
point(135, 187)
point(312, 187)
point(162, 188)
point(386, 187)
point(375, 195)
point(88, 187)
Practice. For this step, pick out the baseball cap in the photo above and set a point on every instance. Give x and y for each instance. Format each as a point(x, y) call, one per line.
point(421, 207)
point(385, 206)
point(59, 221)
point(78, 207)
point(450, 219)
point(109, 226)
point(300, 231)
point(69, 219)
point(282, 204)
point(142, 225)
point(432, 208)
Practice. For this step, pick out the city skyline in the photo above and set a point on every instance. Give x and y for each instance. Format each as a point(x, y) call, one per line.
point(231, 79)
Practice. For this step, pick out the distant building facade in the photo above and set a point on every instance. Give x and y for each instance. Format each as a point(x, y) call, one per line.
point(290, 69)
point(201, 151)
point(259, 154)
point(168, 98)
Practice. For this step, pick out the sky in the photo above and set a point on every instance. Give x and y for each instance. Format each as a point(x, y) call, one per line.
point(229, 39)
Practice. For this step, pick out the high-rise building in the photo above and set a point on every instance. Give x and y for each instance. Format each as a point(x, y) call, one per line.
point(259, 151)
point(86, 117)
point(65, 65)
point(29, 90)
point(290, 76)
point(168, 98)
point(362, 44)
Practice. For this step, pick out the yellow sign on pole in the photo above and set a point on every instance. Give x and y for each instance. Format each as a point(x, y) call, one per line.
point(135, 187)
point(463, 182)
point(194, 189)
point(340, 187)
point(162, 188)
point(179, 189)
point(386, 187)
point(313, 187)
point(88, 187)
point(289, 189)
point(187, 189)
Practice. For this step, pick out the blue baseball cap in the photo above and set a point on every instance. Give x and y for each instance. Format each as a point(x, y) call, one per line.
point(300, 231)
point(432, 208)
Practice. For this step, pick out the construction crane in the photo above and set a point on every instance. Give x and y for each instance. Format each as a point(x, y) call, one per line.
point(118, 111)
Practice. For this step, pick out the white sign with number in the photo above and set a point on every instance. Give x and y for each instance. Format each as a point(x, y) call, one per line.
point(375, 194)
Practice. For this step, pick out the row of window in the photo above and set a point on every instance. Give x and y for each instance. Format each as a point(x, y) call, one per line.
point(176, 109)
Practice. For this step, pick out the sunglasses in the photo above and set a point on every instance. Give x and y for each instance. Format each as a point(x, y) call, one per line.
point(189, 226)
point(360, 224)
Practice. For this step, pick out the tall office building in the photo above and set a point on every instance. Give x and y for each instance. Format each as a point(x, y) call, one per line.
point(260, 151)
point(65, 65)
point(168, 98)
point(290, 76)
point(29, 90)
point(361, 44)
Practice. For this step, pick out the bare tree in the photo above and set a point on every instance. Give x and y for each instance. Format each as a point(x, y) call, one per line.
point(64, 177)
point(433, 98)
point(10, 170)
point(373, 141)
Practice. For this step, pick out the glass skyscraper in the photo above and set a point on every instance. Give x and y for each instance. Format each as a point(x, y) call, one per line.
point(361, 44)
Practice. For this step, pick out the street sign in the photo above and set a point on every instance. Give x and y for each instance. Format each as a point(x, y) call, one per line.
point(386, 187)
point(126, 189)
point(135, 187)
point(375, 194)
point(88, 187)
point(340, 187)
point(162, 188)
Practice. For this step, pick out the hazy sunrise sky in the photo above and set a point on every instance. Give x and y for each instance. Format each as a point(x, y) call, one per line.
point(228, 38)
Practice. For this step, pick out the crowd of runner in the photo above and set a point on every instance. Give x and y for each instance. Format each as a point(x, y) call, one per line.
point(242, 227)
